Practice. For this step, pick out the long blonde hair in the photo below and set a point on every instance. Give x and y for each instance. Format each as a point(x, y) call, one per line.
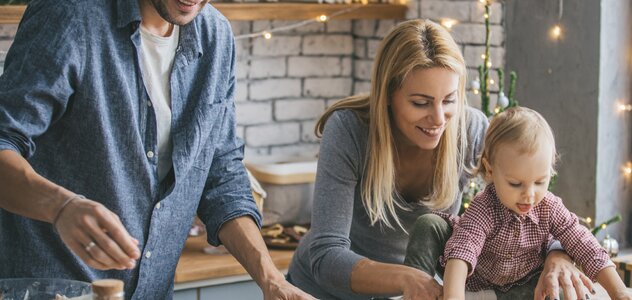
point(414, 44)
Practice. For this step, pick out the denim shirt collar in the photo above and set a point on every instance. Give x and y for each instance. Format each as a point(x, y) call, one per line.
point(128, 11)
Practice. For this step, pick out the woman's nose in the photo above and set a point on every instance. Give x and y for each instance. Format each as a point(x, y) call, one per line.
point(438, 115)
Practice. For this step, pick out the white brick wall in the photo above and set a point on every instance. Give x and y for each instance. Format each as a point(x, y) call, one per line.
point(300, 109)
point(285, 83)
point(274, 88)
point(328, 87)
point(304, 66)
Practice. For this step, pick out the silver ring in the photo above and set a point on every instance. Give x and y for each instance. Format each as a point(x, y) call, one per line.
point(90, 246)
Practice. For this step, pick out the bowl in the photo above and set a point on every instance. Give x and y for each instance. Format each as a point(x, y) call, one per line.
point(42, 288)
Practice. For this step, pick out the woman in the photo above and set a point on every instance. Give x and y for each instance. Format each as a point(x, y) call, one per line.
point(386, 159)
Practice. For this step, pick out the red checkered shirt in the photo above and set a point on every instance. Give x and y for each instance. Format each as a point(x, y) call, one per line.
point(505, 249)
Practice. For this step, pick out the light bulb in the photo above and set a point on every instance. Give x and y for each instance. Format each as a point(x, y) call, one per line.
point(489, 64)
point(267, 35)
point(624, 107)
point(448, 23)
point(472, 184)
point(588, 220)
point(466, 205)
point(475, 92)
point(556, 31)
point(491, 82)
point(496, 110)
point(483, 56)
point(322, 18)
point(486, 16)
point(603, 226)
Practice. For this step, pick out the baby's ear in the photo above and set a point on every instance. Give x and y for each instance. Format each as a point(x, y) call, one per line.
point(488, 169)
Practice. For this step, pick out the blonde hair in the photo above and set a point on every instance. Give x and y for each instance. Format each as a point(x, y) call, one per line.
point(519, 126)
point(411, 45)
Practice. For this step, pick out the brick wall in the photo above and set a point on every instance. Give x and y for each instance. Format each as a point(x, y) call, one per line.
point(285, 83)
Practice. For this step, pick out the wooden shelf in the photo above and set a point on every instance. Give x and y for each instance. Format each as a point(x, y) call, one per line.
point(11, 14)
point(305, 11)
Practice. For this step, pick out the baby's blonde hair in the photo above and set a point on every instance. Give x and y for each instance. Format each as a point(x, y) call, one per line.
point(519, 126)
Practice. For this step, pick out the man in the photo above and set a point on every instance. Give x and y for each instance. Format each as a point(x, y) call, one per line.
point(117, 126)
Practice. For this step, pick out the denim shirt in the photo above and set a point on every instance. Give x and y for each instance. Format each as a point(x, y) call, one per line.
point(73, 103)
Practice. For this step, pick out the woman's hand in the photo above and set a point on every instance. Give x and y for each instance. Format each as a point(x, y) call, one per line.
point(96, 235)
point(559, 272)
point(420, 285)
point(283, 290)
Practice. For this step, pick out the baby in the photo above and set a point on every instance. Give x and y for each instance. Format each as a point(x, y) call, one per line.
point(501, 240)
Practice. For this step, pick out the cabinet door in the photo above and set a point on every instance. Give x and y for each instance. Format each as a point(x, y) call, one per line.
point(190, 294)
point(247, 290)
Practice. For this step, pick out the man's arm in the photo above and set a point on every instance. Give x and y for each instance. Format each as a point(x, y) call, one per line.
point(78, 221)
point(242, 238)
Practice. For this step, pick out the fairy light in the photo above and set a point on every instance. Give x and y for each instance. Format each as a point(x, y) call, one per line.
point(556, 31)
point(588, 220)
point(496, 110)
point(267, 34)
point(448, 23)
point(627, 169)
point(472, 184)
point(486, 16)
point(483, 56)
point(475, 92)
point(603, 226)
point(466, 205)
point(624, 107)
point(491, 82)
point(489, 64)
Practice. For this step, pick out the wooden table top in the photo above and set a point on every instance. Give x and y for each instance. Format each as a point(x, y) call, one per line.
point(195, 265)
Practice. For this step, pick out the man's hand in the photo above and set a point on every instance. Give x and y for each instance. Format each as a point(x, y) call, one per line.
point(96, 235)
point(281, 289)
point(559, 272)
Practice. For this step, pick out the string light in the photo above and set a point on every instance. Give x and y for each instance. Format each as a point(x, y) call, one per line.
point(603, 226)
point(475, 92)
point(624, 107)
point(448, 23)
point(491, 82)
point(588, 220)
point(466, 205)
point(627, 169)
point(483, 56)
point(556, 31)
point(267, 34)
point(472, 184)
point(489, 64)
point(496, 110)
point(486, 16)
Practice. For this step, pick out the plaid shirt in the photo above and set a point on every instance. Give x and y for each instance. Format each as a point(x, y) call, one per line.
point(505, 249)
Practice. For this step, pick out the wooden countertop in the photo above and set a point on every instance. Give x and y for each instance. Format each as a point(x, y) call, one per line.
point(195, 265)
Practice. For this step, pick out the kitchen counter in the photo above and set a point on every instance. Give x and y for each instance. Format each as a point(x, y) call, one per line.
point(196, 268)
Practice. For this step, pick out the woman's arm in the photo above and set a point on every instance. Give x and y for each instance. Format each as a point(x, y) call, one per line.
point(371, 277)
point(454, 279)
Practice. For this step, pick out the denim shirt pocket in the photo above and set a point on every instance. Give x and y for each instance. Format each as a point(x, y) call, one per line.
point(210, 128)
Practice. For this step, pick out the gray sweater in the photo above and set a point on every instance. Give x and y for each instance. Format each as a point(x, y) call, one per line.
point(341, 233)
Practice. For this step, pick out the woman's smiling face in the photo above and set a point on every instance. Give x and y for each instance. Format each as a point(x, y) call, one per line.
point(422, 107)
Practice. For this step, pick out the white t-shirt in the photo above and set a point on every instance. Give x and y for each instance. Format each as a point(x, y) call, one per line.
point(157, 55)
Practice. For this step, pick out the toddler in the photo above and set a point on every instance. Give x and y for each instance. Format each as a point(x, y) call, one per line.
point(501, 240)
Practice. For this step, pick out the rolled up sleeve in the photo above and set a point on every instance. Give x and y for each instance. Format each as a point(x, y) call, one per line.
point(40, 71)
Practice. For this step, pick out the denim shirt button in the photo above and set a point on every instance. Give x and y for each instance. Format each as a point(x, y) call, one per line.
point(150, 154)
point(158, 205)
point(148, 254)
point(148, 103)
